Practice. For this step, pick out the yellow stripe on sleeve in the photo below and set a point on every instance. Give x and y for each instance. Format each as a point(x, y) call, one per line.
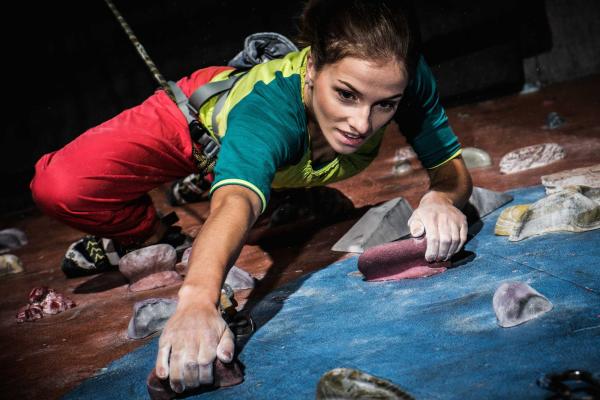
point(453, 156)
point(241, 182)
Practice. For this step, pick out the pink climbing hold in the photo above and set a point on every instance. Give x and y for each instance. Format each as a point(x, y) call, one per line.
point(43, 300)
point(403, 259)
point(150, 267)
point(55, 303)
point(37, 294)
point(29, 312)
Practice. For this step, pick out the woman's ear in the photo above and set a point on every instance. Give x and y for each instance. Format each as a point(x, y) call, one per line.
point(310, 70)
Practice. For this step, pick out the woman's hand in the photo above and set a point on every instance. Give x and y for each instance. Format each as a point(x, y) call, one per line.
point(438, 216)
point(197, 334)
point(443, 224)
point(193, 337)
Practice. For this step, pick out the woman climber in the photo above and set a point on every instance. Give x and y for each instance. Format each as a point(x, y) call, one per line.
point(313, 117)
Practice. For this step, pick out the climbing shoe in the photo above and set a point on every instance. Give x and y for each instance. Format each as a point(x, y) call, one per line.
point(90, 255)
point(191, 189)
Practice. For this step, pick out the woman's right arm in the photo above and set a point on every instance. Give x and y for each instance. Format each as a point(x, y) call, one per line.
point(196, 333)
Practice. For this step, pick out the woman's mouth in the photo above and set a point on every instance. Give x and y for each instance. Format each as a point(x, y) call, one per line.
point(351, 139)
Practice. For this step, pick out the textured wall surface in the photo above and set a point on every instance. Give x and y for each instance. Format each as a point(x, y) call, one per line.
point(575, 50)
point(436, 337)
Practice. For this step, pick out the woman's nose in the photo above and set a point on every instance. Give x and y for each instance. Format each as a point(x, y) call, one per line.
point(361, 121)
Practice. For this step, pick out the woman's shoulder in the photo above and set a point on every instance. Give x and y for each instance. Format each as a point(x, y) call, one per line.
point(271, 93)
point(282, 76)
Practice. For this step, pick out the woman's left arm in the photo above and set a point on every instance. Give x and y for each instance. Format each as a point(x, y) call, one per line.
point(438, 215)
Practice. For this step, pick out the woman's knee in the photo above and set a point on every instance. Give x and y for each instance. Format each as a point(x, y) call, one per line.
point(52, 187)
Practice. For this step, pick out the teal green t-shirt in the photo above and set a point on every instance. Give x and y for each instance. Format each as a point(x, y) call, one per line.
point(264, 138)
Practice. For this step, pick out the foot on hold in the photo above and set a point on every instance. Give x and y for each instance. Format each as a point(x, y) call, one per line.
point(517, 302)
point(191, 189)
point(92, 254)
point(88, 256)
point(347, 383)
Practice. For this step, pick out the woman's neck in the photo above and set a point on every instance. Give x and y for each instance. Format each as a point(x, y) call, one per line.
point(320, 151)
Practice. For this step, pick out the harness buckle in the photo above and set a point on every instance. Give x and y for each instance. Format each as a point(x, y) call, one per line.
point(197, 131)
point(200, 135)
point(210, 148)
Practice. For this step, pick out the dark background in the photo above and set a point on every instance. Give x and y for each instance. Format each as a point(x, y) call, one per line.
point(70, 66)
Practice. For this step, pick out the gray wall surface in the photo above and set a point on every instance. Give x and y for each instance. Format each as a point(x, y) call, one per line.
point(575, 52)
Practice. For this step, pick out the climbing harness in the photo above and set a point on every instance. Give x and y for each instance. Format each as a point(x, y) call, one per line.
point(207, 156)
point(190, 108)
point(258, 48)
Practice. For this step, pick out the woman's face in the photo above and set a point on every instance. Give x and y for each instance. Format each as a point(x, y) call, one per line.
point(352, 98)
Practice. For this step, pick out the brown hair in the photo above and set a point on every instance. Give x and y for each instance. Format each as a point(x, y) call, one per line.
point(368, 29)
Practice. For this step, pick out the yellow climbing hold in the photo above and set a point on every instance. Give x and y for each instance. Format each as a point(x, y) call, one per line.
point(10, 264)
point(509, 218)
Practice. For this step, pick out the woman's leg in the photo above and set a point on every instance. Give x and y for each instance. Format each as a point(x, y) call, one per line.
point(99, 182)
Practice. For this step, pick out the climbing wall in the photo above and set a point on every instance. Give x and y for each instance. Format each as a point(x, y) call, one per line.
point(436, 337)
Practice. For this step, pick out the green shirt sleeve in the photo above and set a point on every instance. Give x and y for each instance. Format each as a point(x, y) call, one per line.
point(423, 121)
point(264, 133)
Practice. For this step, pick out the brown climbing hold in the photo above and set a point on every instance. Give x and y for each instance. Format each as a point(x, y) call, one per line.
point(225, 375)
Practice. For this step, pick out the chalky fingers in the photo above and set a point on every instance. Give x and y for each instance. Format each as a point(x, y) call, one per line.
point(226, 346)
point(432, 234)
point(176, 371)
point(162, 361)
point(206, 356)
point(455, 242)
point(191, 374)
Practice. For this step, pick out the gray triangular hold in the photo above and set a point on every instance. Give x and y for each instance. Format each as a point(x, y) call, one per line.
point(487, 201)
point(381, 224)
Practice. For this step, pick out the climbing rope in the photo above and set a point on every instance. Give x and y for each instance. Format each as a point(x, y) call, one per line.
point(141, 50)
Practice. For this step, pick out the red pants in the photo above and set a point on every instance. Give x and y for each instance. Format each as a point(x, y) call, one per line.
point(99, 182)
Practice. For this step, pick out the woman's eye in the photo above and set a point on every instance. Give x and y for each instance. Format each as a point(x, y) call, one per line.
point(387, 105)
point(346, 95)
